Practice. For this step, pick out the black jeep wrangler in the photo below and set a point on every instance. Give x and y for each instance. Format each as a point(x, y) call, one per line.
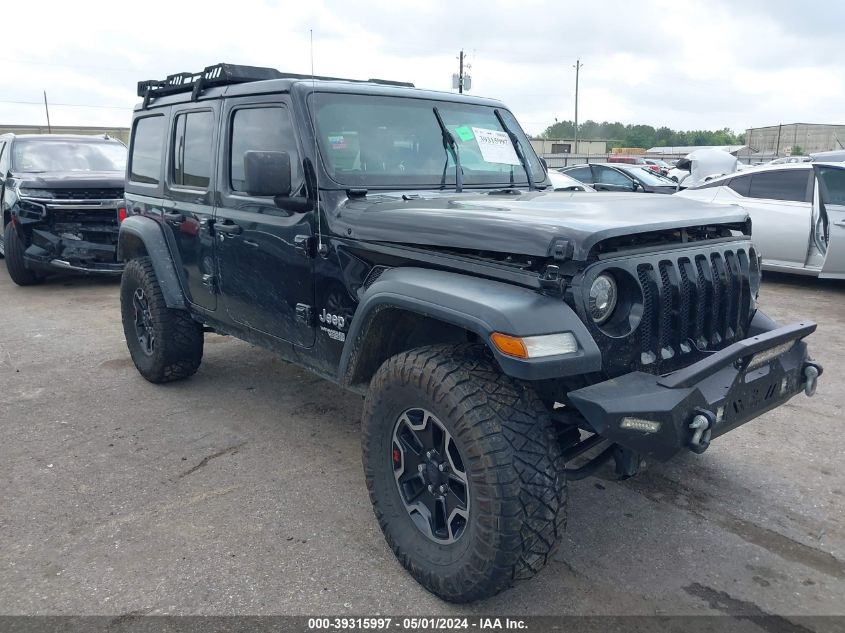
point(406, 245)
point(62, 201)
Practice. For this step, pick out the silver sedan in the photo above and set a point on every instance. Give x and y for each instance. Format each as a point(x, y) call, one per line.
point(797, 214)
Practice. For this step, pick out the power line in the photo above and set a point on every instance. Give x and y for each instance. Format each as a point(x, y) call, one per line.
point(37, 63)
point(68, 105)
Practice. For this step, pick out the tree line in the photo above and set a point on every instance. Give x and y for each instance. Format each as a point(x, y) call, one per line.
point(645, 136)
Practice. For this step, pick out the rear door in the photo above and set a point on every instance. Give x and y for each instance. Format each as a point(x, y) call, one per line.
point(780, 203)
point(265, 268)
point(189, 204)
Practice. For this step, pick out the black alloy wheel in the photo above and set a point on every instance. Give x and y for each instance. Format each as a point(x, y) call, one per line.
point(143, 322)
point(430, 475)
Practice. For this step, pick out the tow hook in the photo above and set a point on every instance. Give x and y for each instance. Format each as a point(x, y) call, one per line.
point(702, 425)
point(811, 378)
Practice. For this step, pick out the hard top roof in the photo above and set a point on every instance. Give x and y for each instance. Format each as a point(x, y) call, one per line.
point(61, 137)
point(192, 87)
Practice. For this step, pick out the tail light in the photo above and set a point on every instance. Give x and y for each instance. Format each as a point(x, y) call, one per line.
point(121, 214)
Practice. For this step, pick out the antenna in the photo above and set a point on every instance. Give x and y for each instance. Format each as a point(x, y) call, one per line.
point(320, 247)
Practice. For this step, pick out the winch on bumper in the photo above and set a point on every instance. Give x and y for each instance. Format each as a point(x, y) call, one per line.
point(657, 416)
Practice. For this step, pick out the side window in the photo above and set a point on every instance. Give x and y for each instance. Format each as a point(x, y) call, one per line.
point(4, 162)
point(832, 188)
point(610, 176)
point(147, 146)
point(740, 184)
point(787, 184)
point(263, 129)
point(192, 149)
point(581, 173)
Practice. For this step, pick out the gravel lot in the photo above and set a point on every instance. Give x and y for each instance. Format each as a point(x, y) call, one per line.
point(240, 491)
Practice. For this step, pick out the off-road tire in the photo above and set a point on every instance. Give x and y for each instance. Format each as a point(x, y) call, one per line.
point(178, 338)
point(515, 470)
point(15, 263)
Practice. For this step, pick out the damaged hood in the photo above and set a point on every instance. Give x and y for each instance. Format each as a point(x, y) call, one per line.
point(70, 179)
point(527, 224)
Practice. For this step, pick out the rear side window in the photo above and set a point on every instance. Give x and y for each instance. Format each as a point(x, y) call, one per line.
point(787, 184)
point(261, 129)
point(147, 146)
point(832, 185)
point(192, 149)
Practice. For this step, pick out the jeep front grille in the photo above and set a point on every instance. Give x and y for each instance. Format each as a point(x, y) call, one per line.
point(697, 301)
point(693, 302)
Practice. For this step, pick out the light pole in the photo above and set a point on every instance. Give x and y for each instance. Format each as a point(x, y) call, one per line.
point(577, 68)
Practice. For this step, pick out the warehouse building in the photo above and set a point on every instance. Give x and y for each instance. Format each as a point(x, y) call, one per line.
point(120, 133)
point(780, 140)
point(558, 147)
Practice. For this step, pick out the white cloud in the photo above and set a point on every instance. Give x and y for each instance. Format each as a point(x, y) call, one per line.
point(686, 65)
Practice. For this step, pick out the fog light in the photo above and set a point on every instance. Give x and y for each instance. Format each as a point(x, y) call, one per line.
point(639, 424)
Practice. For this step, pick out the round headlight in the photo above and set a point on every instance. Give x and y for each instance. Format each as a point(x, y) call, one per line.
point(603, 297)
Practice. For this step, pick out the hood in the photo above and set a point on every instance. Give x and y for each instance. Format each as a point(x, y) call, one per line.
point(526, 224)
point(70, 179)
point(704, 163)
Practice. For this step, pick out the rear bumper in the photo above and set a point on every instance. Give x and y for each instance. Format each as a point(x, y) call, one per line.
point(654, 415)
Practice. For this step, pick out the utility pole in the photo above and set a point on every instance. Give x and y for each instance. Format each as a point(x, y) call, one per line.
point(461, 73)
point(47, 110)
point(577, 67)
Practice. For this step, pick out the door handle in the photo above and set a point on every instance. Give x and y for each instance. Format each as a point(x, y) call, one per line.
point(250, 243)
point(228, 228)
point(173, 215)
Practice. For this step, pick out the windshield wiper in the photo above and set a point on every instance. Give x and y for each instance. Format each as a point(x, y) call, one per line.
point(519, 152)
point(449, 141)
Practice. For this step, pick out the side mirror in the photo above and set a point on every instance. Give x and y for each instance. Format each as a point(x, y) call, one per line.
point(635, 185)
point(544, 163)
point(267, 173)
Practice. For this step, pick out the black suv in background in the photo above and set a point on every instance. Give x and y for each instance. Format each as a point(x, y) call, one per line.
point(62, 202)
point(407, 245)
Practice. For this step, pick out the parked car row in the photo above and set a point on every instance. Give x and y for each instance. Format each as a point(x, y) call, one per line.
point(62, 203)
point(620, 177)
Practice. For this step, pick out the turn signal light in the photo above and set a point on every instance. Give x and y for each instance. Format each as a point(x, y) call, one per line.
point(509, 345)
point(535, 346)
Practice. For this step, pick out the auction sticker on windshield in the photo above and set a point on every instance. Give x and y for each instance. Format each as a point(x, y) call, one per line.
point(495, 146)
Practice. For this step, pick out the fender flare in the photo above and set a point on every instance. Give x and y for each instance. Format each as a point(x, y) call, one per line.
point(151, 235)
point(481, 306)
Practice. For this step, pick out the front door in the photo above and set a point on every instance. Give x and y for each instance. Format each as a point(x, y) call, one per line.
point(188, 205)
point(265, 272)
point(609, 179)
point(780, 203)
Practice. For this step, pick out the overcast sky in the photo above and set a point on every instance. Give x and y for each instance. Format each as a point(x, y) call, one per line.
point(687, 64)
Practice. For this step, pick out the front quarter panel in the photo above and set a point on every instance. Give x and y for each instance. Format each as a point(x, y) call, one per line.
point(480, 306)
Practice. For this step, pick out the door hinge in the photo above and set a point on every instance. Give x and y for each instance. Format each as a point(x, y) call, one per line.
point(304, 314)
point(304, 245)
point(210, 282)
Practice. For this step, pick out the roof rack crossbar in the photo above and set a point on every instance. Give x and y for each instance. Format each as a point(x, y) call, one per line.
point(224, 75)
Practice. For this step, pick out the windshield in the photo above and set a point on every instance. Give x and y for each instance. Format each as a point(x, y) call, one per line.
point(63, 155)
point(650, 178)
point(371, 140)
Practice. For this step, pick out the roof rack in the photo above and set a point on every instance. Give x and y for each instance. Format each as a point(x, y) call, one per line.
point(224, 75)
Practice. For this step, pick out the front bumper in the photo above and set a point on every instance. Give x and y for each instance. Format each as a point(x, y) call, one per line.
point(70, 237)
point(657, 416)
